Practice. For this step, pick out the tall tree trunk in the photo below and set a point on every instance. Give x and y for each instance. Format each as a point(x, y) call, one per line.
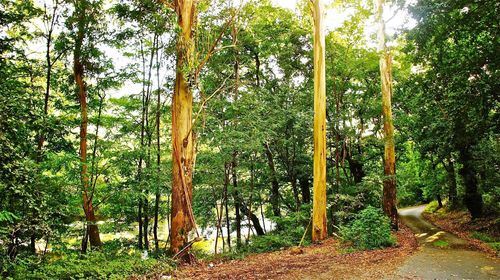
point(236, 195)
point(226, 185)
point(182, 134)
point(141, 156)
point(237, 202)
point(140, 220)
point(92, 231)
point(473, 199)
point(440, 202)
point(319, 231)
point(149, 135)
point(452, 183)
point(389, 196)
point(158, 152)
point(275, 191)
point(304, 189)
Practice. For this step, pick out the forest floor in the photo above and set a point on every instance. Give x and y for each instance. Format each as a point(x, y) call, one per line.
point(423, 252)
point(327, 260)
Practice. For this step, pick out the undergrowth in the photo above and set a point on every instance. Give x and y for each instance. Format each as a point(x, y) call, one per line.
point(370, 229)
point(107, 263)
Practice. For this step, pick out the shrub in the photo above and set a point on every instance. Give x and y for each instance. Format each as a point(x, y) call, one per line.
point(352, 199)
point(288, 232)
point(93, 265)
point(370, 229)
point(432, 207)
point(270, 242)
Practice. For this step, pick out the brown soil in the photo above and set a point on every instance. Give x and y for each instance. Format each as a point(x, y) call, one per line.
point(320, 261)
point(461, 224)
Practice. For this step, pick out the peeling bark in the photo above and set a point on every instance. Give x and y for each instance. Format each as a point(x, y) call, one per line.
point(319, 228)
point(389, 192)
point(182, 134)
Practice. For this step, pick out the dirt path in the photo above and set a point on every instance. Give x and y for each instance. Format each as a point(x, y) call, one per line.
point(443, 255)
point(321, 261)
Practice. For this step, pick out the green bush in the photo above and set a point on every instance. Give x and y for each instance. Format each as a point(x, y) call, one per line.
point(93, 265)
point(370, 229)
point(432, 207)
point(351, 199)
point(270, 242)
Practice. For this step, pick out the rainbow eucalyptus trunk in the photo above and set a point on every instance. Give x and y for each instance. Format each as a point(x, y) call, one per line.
point(389, 195)
point(319, 229)
point(182, 134)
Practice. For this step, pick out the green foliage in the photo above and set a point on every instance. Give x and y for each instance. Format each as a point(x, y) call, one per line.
point(271, 242)
point(493, 242)
point(370, 229)
point(452, 96)
point(440, 244)
point(110, 263)
point(289, 232)
point(419, 180)
point(483, 236)
point(294, 223)
point(432, 207)
point(353, 199)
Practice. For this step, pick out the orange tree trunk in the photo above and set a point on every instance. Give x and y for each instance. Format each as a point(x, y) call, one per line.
point(319, 231)
point(182, 135)
point(389, 196)
point(92, 232)
point(92, 229)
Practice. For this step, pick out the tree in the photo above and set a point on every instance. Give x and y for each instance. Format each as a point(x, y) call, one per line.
point(82, 22)
point(188, 69)
point(455, 47)
point(319, 231)
point(389, 196)
point(182, 134)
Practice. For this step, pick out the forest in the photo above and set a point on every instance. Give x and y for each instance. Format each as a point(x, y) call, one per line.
point(159, 139)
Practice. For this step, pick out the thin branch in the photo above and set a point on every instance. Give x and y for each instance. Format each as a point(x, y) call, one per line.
point(206, 100)
point(213, 49)
point(169, 4)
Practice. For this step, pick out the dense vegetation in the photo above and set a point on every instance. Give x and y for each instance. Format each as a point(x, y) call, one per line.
point(91, 147)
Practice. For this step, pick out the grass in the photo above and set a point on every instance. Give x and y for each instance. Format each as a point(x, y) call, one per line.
point(117, 259)
point(493, 242)
point(440, 244)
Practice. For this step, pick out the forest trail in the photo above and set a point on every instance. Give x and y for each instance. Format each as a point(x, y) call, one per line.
point(443, 255)
point(327, 260)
